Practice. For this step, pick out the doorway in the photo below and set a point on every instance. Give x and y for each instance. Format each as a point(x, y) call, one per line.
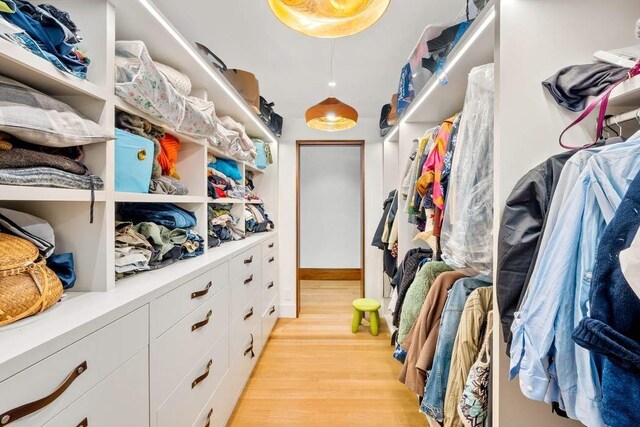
point(330, 198)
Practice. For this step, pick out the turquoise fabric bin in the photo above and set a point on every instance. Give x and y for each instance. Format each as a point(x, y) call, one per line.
point(134, 161)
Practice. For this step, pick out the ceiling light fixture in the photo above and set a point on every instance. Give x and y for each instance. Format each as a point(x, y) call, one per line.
point(331, 114)
point(329, 18)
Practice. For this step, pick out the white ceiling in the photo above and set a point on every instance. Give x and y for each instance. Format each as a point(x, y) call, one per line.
point(293, 69)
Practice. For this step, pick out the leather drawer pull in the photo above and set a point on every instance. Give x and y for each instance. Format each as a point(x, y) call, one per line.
point(28, 409)
point(249, 260)
point(249, 280)
point(272, 259)
point(84, 423)
point(273, 310)
point(271, 285)
point(201, 293)
point(202, 323)
point(271, 245)
point(249, 314)
point(203, 376)
point(250, 349)
point(208, 424)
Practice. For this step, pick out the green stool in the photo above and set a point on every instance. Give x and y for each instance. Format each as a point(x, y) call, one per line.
point(361, 306)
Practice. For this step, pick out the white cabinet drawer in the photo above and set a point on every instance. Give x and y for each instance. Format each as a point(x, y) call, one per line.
point(269, 293)
point(269, 319)
point(243, 265)
point(219, 407)
point(71, 372)
point(242, 325)
point(167, 310)
point(243, 362)
point(269, 245)
point(270, 267)
point(244, 289)
point(175, 353)
point(187, 400)
point(121, 399)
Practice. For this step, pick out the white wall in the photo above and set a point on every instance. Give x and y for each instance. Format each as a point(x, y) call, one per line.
point(296, 129)
point(330, 206)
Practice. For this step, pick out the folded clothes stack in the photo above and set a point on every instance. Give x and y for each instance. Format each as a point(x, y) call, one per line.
point(249, 193)
point(257, 220)
point(46, 31)
point(40, 233)
point(232, 139)
point(150, 236)
point(224, 179)
point(26, 164)
point(222, 225)
point(164, 176)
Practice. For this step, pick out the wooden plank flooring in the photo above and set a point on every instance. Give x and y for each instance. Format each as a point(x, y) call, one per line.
point(315, 372)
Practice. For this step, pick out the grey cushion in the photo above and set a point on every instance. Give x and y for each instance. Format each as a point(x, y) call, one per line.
point(35, 117)
point(34, 229)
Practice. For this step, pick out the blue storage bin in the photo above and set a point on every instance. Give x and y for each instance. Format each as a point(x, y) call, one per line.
point(134, 161)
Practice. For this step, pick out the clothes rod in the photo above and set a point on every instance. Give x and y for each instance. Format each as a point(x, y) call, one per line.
point(622, 118)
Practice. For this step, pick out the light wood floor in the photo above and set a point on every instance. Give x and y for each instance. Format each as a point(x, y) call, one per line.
point(315, 372)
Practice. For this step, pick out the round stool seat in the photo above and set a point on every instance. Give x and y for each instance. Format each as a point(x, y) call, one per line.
point(366, 304)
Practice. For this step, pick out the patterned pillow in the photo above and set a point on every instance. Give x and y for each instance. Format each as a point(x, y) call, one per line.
point(35, 117)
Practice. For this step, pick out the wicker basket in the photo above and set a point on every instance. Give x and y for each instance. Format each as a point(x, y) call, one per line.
point(27, 285)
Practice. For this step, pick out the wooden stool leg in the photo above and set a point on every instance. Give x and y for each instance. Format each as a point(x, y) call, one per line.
point(357, 318)
point(374, 319)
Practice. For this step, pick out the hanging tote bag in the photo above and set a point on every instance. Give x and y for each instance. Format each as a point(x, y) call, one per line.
point(243, 81)
point(27, 285)
point(134, 161)
point(603, 101)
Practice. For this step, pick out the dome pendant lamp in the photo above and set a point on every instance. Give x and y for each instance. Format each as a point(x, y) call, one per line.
point(331, 114)
point(329, 18)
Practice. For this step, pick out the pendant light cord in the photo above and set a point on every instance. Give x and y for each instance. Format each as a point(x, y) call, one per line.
point(333, 49)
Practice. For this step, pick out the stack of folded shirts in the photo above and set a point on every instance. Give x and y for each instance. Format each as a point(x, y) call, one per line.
point(46, 31)
point(27, 164)
point(154, 235)
point(249, 188)
point(164, 176)
point(256, 219)
point(224, 179)
point(222, 225)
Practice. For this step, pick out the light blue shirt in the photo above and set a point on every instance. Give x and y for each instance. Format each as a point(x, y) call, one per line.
point(543, 353)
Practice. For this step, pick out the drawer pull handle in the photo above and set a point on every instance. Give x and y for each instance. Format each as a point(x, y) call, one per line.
point(249, 260)
point(203, 376)
point(84, 423)
point(271, 245)
point(249, 280)
point(273, 310)
point(208, 424)
point(249, 314)
point(272, 259)
point(202, 323)
point(24, 410)
point(250, 349)
point(271, 285)
point(201, 293)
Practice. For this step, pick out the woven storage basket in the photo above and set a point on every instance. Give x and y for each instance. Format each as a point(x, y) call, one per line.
point(27, 285)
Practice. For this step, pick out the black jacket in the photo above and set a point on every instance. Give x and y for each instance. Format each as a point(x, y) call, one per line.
point(522, 225)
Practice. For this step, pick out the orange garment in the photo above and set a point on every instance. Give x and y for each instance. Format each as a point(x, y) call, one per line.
point(168, 157)
point(432, 170)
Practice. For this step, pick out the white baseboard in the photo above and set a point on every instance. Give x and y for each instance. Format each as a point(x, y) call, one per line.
point(288, 310)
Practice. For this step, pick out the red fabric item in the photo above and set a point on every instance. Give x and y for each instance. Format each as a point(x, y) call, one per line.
point(221, 194)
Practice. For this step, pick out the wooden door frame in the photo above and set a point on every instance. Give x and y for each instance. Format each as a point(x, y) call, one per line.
point(328, 143)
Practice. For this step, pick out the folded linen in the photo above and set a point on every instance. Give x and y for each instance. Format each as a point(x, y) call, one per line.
point(49, 177)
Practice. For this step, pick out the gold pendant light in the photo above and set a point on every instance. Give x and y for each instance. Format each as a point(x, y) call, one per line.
point(331, 114)
point(329, 18)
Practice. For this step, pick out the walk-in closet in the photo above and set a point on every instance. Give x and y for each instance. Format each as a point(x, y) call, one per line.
point(319, 212)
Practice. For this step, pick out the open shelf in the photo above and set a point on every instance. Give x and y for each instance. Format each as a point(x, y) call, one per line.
point(156, 198)
point(254, 202)
point(443, 95)
point(224, 201)
point(20, 64)
point(45, 194)
point(626, 94)
point(134, 18)
point(221, 155)
point(128, 108)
